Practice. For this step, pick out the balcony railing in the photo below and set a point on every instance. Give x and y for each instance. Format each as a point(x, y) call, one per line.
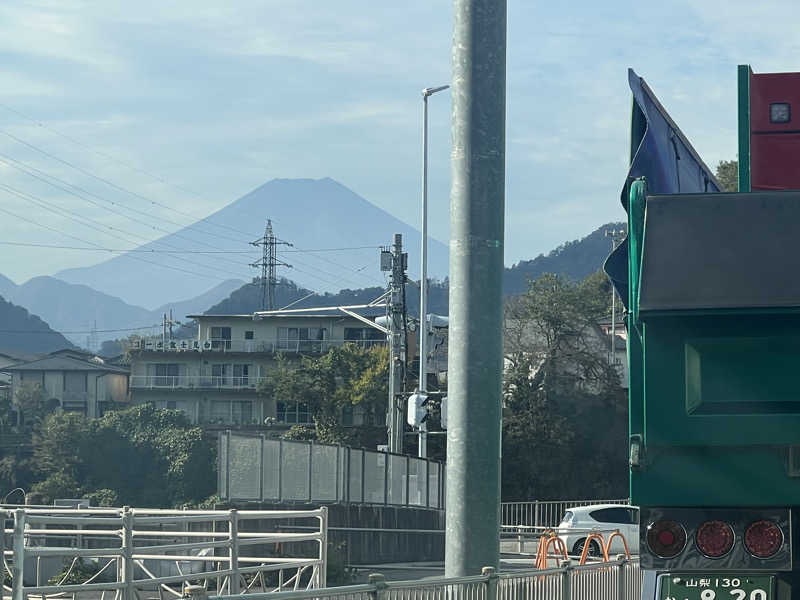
point(223, 382)
point(268, 346)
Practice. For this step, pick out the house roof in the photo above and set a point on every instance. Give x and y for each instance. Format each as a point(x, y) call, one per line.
point(18, 356)
point(64, 363)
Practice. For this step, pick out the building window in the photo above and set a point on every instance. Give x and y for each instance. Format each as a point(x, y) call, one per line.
point(248, 335)
point(242, 412)
point(365, 337)
point(220, 338)
point(302, 339)
point(241, 375)
point(164, 375)
point(220, 375)
point(293, 412)
point(172, 405)
point(239, 412)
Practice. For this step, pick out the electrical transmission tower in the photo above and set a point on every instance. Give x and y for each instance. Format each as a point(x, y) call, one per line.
point(268, 263)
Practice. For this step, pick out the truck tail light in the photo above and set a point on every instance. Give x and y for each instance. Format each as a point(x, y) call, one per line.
point(714, 538)
point(666, 538)
point(763, 539)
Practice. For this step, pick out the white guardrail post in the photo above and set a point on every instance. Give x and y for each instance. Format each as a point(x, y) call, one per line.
point(322, 580)
point(18, 568)
point(129, 591)
point(234, 583)
point(622, 573)
point(379, 581)
point(566, 580)
point(492, 578)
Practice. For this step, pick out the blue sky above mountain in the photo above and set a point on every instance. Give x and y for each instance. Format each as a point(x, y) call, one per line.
point(218, 98)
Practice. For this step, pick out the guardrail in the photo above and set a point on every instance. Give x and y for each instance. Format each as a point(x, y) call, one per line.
point(274, 345)
point(615, 580)
point(544, 513)
point(153, 550)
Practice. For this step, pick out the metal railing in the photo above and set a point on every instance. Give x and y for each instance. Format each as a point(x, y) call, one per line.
point(131, 551)
point(544, 513)
point(269, 346)
point(615, 580)
point(253, 467)
point(217, 382)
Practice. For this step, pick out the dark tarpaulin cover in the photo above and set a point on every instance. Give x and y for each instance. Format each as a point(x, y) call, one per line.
point(664, 157)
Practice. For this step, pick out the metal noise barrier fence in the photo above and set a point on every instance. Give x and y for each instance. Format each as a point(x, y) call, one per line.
point(131, 551)
point(255, 468)
point(544, 513)
point(616, 580)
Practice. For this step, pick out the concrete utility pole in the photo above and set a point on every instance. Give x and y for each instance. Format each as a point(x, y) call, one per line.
point(477, 207)
point(396, 261)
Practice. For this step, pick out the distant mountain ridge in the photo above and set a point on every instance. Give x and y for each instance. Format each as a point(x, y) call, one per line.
point(576, 260)
point(308, 213)
point(74, 307)
point(23, 332)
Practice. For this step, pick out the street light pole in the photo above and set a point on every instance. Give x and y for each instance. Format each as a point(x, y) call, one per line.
point(423, 284)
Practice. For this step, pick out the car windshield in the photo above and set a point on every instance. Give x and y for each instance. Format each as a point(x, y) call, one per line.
point(567, 518)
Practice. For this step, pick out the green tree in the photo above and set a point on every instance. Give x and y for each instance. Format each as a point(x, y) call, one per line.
point(345, 376)
point(141, 456)
point(564, 426)
point(728, 175)
point(33, 406)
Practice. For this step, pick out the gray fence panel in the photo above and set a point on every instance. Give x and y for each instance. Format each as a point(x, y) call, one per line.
point(417, 482)
point(222, 471)
point(272, 470)
point(396, 490)
point(323, 472)
point(433, 485)
point(355, 476)
point(244, 465)
point(374, 477)
point(295, 465)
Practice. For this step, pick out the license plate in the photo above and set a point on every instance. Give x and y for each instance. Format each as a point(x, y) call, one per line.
point(714, 586)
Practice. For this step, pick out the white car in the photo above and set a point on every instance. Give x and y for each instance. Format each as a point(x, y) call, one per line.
point(603, 518)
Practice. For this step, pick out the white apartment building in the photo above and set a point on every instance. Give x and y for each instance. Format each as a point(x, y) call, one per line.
point(213, 379)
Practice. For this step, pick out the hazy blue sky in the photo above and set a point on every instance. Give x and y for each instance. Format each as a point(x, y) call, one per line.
point(220, 97)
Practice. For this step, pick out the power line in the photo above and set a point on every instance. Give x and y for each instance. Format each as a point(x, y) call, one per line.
point(53, 331)
point(129, 166)
point(24, 168)
point(159, 251)
point(98, 226)
point(139, 258)
point(102, 179)
point(136, 194)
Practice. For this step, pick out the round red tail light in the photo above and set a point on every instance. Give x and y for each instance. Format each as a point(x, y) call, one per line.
point(763, 539)
point(714, 538)
point(666, 538)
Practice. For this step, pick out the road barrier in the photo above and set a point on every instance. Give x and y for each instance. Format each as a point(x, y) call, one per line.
point(130, 551)
point(544, 513)
point(616, 580)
